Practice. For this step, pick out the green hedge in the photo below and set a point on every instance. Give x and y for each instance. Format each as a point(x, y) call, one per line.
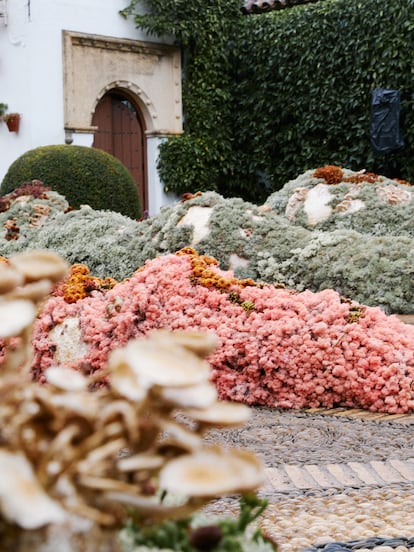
point(83, 175)
point(278, 93)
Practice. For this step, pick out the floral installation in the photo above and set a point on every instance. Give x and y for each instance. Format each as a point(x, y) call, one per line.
point(79, 461)
point(375, 272)
point(103, 240)
point(26, 209)
point(81, 283)
point(259, 243)
point(277, 347)
point(331, 198)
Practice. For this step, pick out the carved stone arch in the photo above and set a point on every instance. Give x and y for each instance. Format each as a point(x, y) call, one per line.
point(137, 96)
point(94, 64)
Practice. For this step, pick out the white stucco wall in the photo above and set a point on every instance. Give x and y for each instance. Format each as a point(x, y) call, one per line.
point(31, 71)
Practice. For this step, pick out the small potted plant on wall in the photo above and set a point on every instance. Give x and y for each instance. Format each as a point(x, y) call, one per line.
point(12, 121)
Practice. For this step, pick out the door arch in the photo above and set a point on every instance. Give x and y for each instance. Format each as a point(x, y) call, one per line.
point(121, 132)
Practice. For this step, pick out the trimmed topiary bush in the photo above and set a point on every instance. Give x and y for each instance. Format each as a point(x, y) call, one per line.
point(83, 175)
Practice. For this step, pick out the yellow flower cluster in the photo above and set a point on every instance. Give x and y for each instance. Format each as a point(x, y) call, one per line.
point(80, 283)
point(203, 274)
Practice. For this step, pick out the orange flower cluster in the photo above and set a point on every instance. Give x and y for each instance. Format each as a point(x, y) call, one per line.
point(12, 230)
point(203, 274)
point(405, 182)
point(80, 283)
point(369, 177)
point(186, 196)
point(330, 173)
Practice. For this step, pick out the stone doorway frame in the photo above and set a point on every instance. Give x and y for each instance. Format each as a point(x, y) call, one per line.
point(95, 64)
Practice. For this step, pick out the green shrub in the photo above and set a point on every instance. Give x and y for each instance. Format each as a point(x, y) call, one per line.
point(83, 175)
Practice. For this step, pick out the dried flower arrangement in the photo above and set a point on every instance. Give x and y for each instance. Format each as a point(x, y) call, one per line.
point(277, 347)
point(331, 198)
point(76, 458)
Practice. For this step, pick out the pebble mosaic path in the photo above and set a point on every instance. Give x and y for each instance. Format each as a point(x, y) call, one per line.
point(289, 477)
point(337, 480)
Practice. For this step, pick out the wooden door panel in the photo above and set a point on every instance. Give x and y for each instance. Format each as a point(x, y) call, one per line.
point(103, 120)
point(121, 133)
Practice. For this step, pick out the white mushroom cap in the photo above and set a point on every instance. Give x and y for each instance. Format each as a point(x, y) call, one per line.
point(143, 461)
point(184, 437)
point(155, 365)
point(79, 403)
point(222, 413)
point(124, 378)
point(35, 291)
point(22, 499)
point(9, 278)
point(150, 506)
point(15, 316)
point(199, 343)
point(66, 378)
point(196, 396)
point(209, 473)
point(39, 265)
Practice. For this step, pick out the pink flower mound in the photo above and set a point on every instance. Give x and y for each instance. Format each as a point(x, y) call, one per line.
point(293, 350)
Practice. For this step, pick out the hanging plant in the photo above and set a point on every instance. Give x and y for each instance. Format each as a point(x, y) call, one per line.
point(12, 121)
point(3, 109)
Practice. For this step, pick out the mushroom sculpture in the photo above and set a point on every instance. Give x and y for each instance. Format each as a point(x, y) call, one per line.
point(74, 455)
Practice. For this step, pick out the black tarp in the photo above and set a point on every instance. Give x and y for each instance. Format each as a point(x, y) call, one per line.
point(386, 135)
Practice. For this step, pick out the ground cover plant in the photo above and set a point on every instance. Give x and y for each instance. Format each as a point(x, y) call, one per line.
point(331, 198)
point(261, 242)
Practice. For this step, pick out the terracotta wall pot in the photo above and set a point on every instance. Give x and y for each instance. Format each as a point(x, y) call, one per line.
point(13, 123)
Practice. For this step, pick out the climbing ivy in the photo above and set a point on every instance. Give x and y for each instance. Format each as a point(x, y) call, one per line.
point(268, 96)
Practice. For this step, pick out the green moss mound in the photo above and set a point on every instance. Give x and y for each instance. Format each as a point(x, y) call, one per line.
point(83, 175)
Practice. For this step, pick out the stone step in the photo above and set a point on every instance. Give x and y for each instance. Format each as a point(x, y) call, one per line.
point(290, 477)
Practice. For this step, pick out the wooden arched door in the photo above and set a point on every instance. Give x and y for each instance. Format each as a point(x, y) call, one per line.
point(121, 132)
